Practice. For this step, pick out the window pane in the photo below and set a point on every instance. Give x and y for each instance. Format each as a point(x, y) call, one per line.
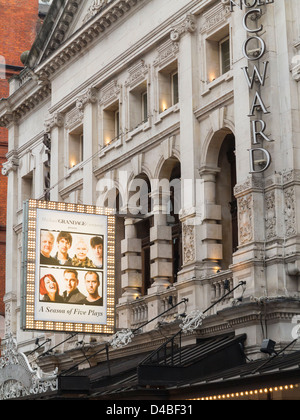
point(145, 106)
point(225, 56)
point(175, 88)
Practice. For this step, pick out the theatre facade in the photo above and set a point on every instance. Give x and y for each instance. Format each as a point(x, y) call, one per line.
point(178, 120)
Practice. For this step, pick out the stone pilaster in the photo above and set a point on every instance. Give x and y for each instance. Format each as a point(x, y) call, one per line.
point(54, 127)
point(161, 240)
point(131, 263)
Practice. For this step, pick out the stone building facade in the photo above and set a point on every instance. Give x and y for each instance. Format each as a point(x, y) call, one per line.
point(20, 23)
point(182, 115)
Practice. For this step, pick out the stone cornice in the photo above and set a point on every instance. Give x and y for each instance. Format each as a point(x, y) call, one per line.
point(40, 83)
point(22, 102)
point(83, 37)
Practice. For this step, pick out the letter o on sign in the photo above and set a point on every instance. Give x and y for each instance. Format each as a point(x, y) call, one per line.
point(262, 48)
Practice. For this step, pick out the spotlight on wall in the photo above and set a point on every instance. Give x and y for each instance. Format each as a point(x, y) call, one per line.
point(268, 346)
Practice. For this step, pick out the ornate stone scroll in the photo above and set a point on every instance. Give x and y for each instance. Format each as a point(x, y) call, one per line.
point(18, 378)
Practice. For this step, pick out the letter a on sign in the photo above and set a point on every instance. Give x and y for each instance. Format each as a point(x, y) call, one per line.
point(258, 105)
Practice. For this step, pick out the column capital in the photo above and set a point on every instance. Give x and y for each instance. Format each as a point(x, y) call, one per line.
point(187, 25)
point(208, 170)
point(55, 120)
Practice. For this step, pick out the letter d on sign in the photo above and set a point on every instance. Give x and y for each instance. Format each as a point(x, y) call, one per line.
point(261, 158)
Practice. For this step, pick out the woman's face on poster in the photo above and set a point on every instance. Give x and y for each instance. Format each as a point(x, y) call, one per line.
point(50, 285)
point(81, 250)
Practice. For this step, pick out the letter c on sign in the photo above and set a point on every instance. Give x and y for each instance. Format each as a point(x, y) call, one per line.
point(256, 11)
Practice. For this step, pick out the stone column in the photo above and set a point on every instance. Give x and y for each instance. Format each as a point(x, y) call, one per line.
point(192, 196)
point(161, 239)
point(210, 230)
point(54, 127)
point(12, 270)
point(131, 263)
point(86, 104)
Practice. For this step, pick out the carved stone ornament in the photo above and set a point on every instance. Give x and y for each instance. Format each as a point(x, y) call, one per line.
point(89, 96)
point(55, 120)
point(121, 338)
point(290, 212)
point(95, 8)
point(18, 378)
point(11, 165)
point(270, 215)
point(188, 244)
point(245, 207)
point(188, 25)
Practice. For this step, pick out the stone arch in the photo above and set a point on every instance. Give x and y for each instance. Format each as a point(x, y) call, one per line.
point(139, 194)
point(169, 194)
point(212, 146)
point(225, 183)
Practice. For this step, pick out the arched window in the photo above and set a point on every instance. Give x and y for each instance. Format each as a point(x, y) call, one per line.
point(172, 171)
point(226, 181)
point(140, 198)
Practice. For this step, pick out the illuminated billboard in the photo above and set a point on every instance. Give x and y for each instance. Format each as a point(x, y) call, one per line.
point(68, 268)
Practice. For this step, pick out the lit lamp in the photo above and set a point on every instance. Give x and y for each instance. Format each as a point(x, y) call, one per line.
point(164, 106)
point(212, 77)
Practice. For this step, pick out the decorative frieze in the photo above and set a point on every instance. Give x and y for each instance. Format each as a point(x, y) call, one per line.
point(110, 93)
point(137, 73)
point(251, 184)
point(216, 17)
point(167, 52)
point(73, 118)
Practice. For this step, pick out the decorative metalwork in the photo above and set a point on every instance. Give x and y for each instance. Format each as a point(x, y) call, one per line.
point(19, 378)
point(121, 338)
point(192, 321)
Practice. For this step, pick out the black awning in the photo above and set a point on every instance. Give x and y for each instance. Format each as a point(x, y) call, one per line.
point(138, 378)
point(191, 362)
point(281, 370)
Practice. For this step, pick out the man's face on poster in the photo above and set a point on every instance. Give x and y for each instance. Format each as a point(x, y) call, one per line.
point(46, 244)
point(71, 282)
point(98, 251)
point(91, 283)
point(63, 246)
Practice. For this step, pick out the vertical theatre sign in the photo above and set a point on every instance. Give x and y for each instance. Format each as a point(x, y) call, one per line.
point(68, 268)
point(254, 49)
